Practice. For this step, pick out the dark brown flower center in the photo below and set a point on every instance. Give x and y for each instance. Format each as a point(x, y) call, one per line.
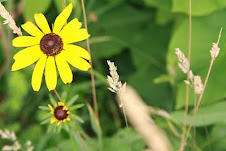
point(51, 44)
point(60, 114)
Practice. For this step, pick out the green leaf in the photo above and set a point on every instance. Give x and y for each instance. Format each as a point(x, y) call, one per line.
point(52, 100)
point(117, 28)
point(205, 31)
point(17, 91)
point(217, 137)
point(74, 107)
point(199, 7)
point(206, 115)
point(71, 101)
point(63, 96)
point(77, 118)
point(94, 121)
point(162, 79)
point(38, 6)
point(44, 108)
point(162, 4)
point(130, 139)
point(46, 120)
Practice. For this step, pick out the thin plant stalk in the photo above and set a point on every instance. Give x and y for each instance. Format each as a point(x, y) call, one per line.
point(57, 94)
point(91, 70)
point(187, 86)
point(83, 141)
point(72, 142)
point(194, 129)
point(125, 117)
point(201, 95)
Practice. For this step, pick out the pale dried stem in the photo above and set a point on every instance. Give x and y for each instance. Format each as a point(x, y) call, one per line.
point(9, 20)
point(187, 86)
point(91, 70)
point(199, 101)
point(200, 98)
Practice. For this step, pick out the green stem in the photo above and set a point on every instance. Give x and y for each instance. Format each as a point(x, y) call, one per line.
point(72, 142)
point(100, 141)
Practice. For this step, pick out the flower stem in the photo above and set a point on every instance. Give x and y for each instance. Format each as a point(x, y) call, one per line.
point(187, 86)
point(72, 142)
point(92, 74)
point(57, 94)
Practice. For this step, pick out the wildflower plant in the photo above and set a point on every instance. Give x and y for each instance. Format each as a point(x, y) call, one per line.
point(60, 114)
point(51, 49)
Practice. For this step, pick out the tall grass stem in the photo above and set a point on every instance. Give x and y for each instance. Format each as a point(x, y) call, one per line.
point(91, 71)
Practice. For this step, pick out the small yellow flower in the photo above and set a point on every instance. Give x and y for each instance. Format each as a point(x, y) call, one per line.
point(60, 113)
point(51, 49)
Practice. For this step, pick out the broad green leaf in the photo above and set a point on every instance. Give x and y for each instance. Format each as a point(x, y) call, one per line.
point(206, 115)
point(35, 6)
point(148, 56)
point(117, 28)
point(205, 31)
point(164, 14)
point(217, 137)
point(162, 4)
point(130, 139)
point(199, 7)
point(155, 94)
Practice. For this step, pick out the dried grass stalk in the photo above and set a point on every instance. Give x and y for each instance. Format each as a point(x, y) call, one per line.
point(116, 86)
point(9, 20)
point(138, 115)
point(184, 65)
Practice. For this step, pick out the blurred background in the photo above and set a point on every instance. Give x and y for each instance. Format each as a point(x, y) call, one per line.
point(140, 37)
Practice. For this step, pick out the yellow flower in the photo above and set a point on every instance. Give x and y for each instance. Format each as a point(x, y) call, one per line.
point(52, 49)
point(60, 113)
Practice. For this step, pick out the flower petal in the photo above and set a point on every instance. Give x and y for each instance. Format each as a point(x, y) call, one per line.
point(37, 75)
point(76, 61)
point(42, 23)
point(30, 28)
point(50, 73)
point(53, 120)
point(25, 41)
point(62, 18)
point(51, 108)
point(64, 69)
point(73, 25)
point(75, 36)
point(77, 51)
point(58, 124)
point(26, 57)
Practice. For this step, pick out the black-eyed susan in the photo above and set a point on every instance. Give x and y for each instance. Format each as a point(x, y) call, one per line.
point(61, 113)
point(51, 49)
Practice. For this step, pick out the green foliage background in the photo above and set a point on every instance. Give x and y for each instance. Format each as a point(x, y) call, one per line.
point(140, 37)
